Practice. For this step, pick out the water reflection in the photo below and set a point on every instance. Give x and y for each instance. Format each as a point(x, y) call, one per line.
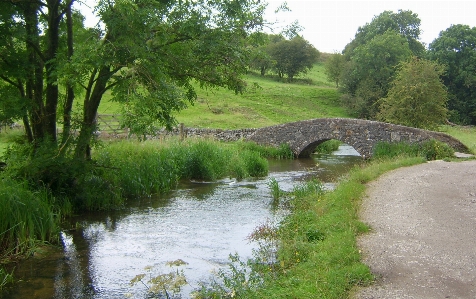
point(200, 223)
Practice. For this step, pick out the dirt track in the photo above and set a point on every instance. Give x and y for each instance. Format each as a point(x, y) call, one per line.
point(423, 238)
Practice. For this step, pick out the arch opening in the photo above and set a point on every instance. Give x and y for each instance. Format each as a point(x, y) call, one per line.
point(328, 146)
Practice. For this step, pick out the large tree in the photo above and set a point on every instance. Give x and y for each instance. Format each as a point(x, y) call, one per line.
point(404, 22)
point(368, 73)
point(417, 97)
point(372, 56)
point(292, 57)
point(455, 48)
point(146, 54)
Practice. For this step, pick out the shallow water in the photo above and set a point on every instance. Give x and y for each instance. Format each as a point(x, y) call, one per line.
point(200, 223)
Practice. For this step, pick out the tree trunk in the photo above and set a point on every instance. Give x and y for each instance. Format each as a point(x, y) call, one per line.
point(34, 81)
point(68, 104)
point(91, 105)
point(52, 91)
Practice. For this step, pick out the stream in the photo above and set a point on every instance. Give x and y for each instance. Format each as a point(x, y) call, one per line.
point(199, 223)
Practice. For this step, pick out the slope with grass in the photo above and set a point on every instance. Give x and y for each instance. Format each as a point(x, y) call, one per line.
point(267, 101)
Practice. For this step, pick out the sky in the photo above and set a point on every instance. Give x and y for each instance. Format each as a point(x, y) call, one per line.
point(330, 25)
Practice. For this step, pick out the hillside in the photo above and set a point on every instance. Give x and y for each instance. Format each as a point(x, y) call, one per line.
point(266, 102)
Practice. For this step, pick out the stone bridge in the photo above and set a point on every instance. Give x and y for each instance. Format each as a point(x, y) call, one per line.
point(362, 135)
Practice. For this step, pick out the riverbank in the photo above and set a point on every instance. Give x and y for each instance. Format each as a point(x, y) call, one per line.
point(421, 243)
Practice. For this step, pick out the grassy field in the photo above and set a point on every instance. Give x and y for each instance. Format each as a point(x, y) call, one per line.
point(266, 102)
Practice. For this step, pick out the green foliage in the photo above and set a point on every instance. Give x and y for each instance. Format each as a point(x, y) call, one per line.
point(327, 147)
point(429, 150)
point(282, 152)
point(334, 67)
point(404, 22)
point(145, 168)
point(370, 70)
point(239, 281)
point(276, 192)
point(205, 161)
point(417, 97)
point(455, 49)
point(147, 56)
point(75, 184)
point(25, 218)
point(436, 150)
point(293, 56)
point(378, 47)
point(162, 284)
point(463, 134)
point(5, 278)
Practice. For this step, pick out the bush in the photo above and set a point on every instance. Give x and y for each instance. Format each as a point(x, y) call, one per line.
point(436, 150)
point(430, 150)
point(75, 184)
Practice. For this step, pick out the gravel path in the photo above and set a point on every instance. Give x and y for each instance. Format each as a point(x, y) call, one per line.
point(422, 242)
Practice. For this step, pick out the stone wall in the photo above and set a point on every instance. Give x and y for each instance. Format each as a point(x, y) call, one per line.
point(217, 134)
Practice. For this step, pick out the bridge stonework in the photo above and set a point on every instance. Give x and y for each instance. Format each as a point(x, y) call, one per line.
point(362, 135)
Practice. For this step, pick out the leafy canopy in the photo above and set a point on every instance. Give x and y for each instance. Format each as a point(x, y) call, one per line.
point(370, 70)
point(378, 47)
point(293, 56)
point(417, 97)
point(147, 54)
point(455, 48)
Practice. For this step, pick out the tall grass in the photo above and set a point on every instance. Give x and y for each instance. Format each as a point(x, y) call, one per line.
point(25, 218)
point(142, 169)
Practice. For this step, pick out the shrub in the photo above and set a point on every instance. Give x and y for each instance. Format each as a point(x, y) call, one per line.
point(430, 150)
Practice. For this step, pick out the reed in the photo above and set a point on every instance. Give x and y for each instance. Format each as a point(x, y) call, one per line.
point(146, 168)
point(25, 218)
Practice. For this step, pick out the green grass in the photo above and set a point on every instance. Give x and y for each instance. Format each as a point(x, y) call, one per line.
point(9, 136)
point(466, 135)
point(266, 102)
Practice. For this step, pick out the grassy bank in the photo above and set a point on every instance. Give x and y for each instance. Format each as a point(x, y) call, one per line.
point(317, 254)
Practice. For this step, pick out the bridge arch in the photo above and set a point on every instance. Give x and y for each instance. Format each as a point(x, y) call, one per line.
point(362, 135)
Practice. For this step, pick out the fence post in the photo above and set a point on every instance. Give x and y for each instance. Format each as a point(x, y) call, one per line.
point(182, 133)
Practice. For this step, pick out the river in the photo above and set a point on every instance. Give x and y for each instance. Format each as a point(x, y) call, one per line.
point(200, 223)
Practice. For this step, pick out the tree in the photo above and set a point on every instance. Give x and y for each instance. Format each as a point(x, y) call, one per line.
point(404, 22)
point(370, 70)
point(260, 59)
point(293, 56)
point(417, 97)
point(147, 56)
point(456, 49)
point(334, 67)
